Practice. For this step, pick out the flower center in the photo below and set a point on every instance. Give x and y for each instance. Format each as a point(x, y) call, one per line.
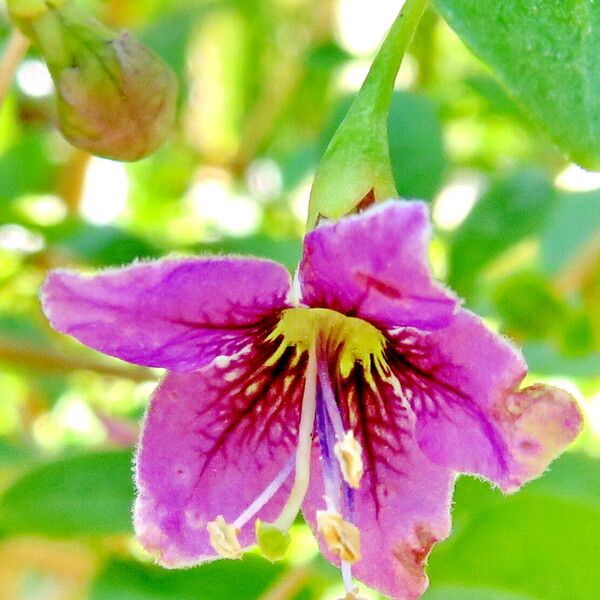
point(347, 340)
point(329, 347)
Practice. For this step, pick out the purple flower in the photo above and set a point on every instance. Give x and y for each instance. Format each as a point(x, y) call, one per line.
point(358, 403)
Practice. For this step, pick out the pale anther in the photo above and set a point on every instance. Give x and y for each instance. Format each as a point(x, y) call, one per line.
point(223, 538)
point(349, 453)
point(353, 595)
point(342, 537)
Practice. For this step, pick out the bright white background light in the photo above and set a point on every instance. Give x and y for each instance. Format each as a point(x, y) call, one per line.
point(33, 78)
point(576, 179)
point(363, 25)
point(215, 203)
point(105, 191)
point(455, 201)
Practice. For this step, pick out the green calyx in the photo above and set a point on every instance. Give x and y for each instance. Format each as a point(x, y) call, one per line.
point(272, 543)
point(356, 167)
point(115, 97)
point(61, 30)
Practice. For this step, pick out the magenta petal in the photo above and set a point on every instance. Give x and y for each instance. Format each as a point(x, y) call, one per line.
point(471, 416)
point(374, 265)
point(210, 448)
point(399, 521)
point(174, 313)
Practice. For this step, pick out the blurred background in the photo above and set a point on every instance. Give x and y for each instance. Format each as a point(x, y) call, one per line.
point(264, 84)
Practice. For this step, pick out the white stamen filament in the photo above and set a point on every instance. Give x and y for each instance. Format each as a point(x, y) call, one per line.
point(303, 450)
point(265, 496)
point(346, 569)
point(330, 403)
point(335, 419)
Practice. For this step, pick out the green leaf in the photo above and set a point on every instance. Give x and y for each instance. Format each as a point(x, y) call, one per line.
point(99, 245)
point(12, 455)
point(507, 213)
point(546, 360)
point(498, 102)
point(547, 53)
point(222, 580)
point(23, 329)
point(529, 306)
point(574, 477)
point(285, 251)
point(169, 34)
point(328, 55)
point(18, 176)
point(469, 593)
point(574, 223)
point(87, 494)
point(537, 543)
point(416, 146)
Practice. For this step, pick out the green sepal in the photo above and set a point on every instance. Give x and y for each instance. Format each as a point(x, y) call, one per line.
point(356, 165)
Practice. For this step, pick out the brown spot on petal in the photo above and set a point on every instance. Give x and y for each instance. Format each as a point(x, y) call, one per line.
point(384, 288)
point(412, 555)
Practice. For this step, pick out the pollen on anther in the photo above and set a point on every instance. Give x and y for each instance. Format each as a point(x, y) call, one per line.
point(349, 454)
point(223, 538)
point(342, 537)
point(353, 595)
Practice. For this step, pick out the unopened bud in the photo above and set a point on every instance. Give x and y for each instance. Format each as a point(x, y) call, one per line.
point(342, 537)
point(116, 98)
point(272, 542)
point(223, 538)
point(349, 454)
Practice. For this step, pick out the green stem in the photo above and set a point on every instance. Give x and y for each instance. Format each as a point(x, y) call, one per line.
point(52, 360)
point(10, 60)
point(379, 84)
point(356, 164)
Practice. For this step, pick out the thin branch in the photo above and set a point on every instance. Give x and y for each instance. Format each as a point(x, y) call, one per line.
point(71, 179)
point(580, 268)
point(282, 85)
point(290, 583)
point(29, 357)
point(13, 54)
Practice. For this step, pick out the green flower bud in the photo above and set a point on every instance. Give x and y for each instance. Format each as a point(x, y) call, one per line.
point(116, 98)
point(272, 542)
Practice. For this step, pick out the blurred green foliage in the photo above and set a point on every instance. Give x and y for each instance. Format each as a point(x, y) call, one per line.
point(264, 84)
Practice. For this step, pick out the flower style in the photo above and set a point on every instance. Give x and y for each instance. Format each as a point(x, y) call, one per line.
point(358, 403)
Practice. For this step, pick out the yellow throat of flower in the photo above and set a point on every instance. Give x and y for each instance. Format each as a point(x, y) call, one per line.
point(347, 339)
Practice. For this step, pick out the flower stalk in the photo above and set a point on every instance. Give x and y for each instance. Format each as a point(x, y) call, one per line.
point(356, 167)
point(13, 54)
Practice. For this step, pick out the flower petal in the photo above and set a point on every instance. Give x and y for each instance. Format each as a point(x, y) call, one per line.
point(399, 521)
point(462, 382)
point(374, 265)
point(212, 442)
point(174, 313)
